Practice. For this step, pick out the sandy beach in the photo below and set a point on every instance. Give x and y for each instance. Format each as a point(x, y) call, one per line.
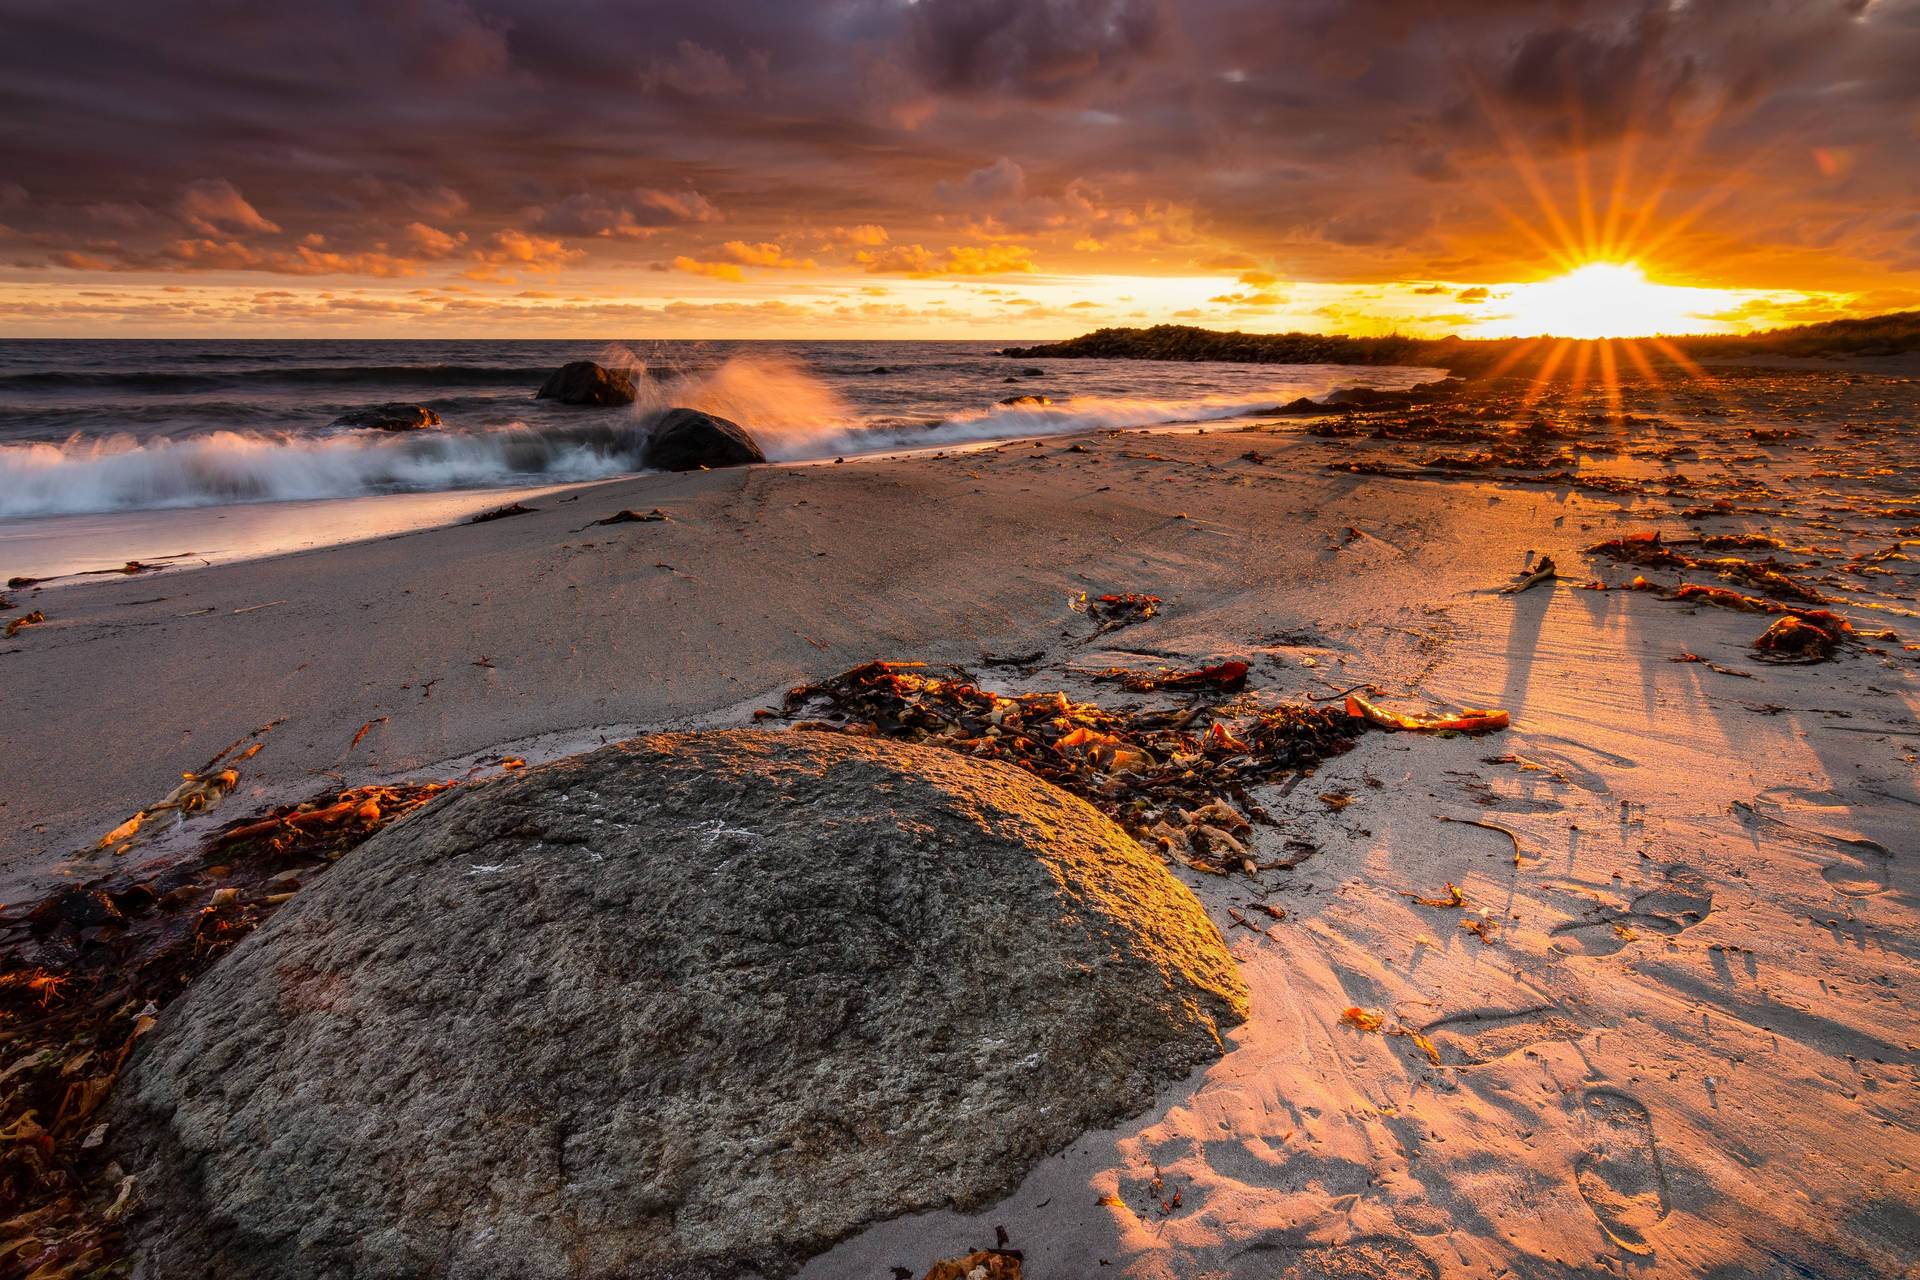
point(1677, 1040)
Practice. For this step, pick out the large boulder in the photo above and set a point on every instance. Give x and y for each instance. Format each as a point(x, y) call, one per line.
point(389, 417)
point(584, 382)
point(695, 1005)
point(687, 439)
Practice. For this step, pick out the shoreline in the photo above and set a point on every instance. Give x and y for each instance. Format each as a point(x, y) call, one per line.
point(1692, 995)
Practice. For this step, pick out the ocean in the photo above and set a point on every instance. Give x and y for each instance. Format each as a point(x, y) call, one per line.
point(95, 430)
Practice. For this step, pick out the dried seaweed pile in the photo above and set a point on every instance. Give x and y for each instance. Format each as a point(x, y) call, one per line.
point(84, 972)
point(1768, 576)
point(1170, 782)
point(1798, 635)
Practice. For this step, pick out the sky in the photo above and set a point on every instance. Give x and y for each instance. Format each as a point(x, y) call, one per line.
point(1015, 169)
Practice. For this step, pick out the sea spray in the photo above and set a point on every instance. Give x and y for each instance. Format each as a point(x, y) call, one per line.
point(796, 411)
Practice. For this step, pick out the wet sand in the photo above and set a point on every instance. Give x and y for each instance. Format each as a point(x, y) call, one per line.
point(1684, 1046)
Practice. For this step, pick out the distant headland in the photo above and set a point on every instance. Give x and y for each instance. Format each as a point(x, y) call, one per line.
point(1884, 335)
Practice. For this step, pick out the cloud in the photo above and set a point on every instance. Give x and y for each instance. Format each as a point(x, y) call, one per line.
point(1479, 293)
point(431, 242)
point(585, 214)
point(724, 261)
point(214, 205)
point(694, 71)
point(1042, 50)
point(718, 270)
point(959, 260)
point(1319, 140)
point(1001, 180)
point(81, 262)
point(867, 233)
point(521, 251)
point(1259, 300)
point(760, 255)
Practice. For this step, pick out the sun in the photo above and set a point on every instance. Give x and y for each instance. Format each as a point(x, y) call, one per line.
point(1606, 300)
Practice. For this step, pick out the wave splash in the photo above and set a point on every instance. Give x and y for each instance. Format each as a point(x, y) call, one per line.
point(793, 414)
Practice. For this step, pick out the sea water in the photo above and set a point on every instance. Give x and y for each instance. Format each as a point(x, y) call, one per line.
point(99, 439)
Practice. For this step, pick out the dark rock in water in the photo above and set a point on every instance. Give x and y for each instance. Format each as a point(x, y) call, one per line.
point(687, 439)
point(584, 382)
point(1009, 379)
point(691, 1006)
point(1303, 407)
point(1026, 399)
point(389, 417)
point(1033, 373)
point(879, 368)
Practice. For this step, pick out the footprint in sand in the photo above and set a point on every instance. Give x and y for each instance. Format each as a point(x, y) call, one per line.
point(1362, 1258)
point(1865, 867)
point(1663, 911)
point(1484, 1035)
point(1619, 1175)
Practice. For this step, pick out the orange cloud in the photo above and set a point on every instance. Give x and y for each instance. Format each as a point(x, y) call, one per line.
point(214, 205)
point(866, 233)
point(511, 248)
point(959, 260)
point(718, 270)
point(762, 255)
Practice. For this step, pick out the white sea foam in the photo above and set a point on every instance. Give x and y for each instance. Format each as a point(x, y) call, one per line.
point(795, 415)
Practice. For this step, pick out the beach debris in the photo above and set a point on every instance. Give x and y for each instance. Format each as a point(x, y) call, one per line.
point(255, 608)
point(1648, 551)
point(199, 793)
point(16, 625)
point(501, 513)
point(364, 730)
point(1739, 541)
point(1712, 666)
point(1370, 1019)
point(632, 517)
point(1115, 611)
point(201, 790)
point(1544, 572)
point(1488, 826)
point(84, 974)
point(985, 1264)
point(1643, 549)
point(1454, 897)
point(1227, 677)
point(1719, 598)
point(1172, 786)
point(1013, 659)
point(1467, 720)
point(1807, 637)
point(1485, 930)
point(1364, 1019)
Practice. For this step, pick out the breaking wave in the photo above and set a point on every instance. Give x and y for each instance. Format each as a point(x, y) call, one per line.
point(793, 414)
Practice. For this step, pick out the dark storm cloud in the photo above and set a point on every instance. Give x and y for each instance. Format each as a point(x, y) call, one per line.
point(1321, 138)
point(1041, 49)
